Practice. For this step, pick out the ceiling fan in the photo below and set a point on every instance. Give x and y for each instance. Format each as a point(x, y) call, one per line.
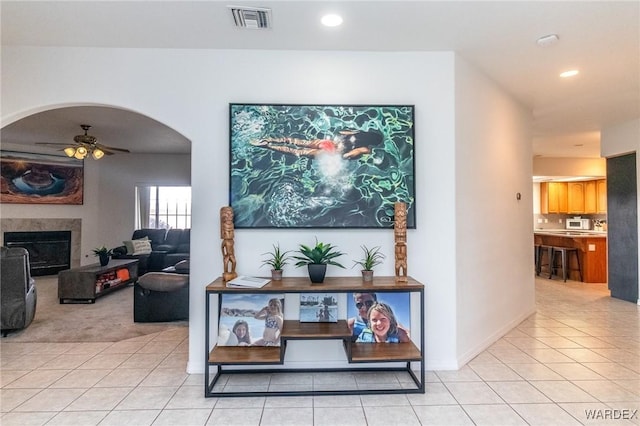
point(85, 145)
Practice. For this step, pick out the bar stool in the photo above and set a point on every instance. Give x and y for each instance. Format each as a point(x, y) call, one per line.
point(564, 252)
point(541, 250)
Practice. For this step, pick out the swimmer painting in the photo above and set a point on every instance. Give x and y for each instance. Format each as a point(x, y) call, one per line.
point(321, 166)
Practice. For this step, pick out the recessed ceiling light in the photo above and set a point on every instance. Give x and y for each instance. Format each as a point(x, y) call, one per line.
point(331, 20)
point(569, 73)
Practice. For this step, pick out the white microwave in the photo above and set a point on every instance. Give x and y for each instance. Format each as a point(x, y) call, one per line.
point(578, 223)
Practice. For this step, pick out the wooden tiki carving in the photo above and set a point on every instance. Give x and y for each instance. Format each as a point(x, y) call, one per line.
point(400, 234)
point(226, 233)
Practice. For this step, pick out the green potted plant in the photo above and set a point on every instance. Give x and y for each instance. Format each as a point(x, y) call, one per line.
point(103, 253)
point(277, 259)
point(317, 258)
point(372, 258)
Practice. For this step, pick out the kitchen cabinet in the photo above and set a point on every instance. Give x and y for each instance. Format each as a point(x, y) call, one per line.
point(575, 197)
point(553, 197)
point(601, 196)
point(590, 197)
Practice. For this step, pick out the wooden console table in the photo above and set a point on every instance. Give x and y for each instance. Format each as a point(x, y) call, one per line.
point(86, 283)
point(223, 358)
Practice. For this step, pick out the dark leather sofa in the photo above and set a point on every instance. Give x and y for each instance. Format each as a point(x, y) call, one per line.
point(167, 249)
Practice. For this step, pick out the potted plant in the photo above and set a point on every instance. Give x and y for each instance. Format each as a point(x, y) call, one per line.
point(103, 254)
point(372, 258)
point(317, 258)
point(277, 260)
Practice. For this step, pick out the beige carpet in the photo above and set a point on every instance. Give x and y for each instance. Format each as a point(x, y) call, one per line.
point(110, 319)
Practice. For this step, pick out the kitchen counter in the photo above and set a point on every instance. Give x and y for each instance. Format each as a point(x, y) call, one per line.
point(571, 233)
point(592, 250)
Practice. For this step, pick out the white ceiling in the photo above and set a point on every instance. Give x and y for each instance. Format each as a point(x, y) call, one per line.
point(601, 39)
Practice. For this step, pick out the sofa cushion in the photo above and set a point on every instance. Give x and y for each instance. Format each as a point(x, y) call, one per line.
point(176, 241)
point(184, 248)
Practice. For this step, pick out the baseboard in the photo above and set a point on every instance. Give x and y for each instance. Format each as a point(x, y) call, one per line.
point(471, 354)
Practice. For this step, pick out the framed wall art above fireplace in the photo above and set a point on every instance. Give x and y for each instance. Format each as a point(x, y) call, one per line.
point(321, 166)
point(28, 178)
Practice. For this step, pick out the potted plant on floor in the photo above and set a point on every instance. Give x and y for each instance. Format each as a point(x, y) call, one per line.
point(317, 258)
point(372, 258)
point(277, 259)
point(103, 253)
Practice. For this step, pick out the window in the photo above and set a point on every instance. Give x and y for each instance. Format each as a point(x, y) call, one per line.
point(163, 207)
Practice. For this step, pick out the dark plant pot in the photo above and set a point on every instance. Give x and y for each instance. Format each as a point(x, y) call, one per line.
point(367, 275)
point(276, 274)
point(104, 259)
point(317, 272)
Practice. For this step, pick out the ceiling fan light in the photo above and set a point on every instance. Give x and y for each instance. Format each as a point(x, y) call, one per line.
point(81, 152)
point(70, 151)
point(97, 154)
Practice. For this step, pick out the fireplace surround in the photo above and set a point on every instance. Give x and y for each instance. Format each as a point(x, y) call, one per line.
point(73, 226)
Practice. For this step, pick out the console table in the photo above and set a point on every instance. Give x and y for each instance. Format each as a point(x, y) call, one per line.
point(86, 283)
point(223, 358)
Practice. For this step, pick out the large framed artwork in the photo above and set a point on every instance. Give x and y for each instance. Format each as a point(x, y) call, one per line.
point(321, 166)
point(28, 178)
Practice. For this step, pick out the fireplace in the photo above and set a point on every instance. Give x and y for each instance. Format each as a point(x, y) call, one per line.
point(49, 251)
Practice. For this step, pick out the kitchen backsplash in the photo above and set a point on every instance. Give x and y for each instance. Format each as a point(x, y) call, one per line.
point(557, 221)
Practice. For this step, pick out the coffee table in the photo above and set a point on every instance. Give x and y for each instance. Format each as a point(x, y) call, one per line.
point(86, 283)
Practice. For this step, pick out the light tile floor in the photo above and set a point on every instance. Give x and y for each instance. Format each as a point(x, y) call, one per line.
point(579, 354)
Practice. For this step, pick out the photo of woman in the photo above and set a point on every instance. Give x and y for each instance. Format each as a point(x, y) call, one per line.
point(391, 309)
point(251, 319)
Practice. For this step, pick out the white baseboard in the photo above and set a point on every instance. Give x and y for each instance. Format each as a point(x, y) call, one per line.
point(472, 353)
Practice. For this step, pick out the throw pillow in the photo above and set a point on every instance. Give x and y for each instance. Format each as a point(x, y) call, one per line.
point(141, 247)
point(129, 244)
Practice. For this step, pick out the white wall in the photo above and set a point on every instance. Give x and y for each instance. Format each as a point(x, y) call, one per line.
point(555, 166)
point(494, 242)
point(118, 177)
point(189, 90)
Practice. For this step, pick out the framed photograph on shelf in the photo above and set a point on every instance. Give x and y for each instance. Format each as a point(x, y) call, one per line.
point(251, 319)
point(28, 178)
point(321, 166)
point(319, 307)
point(379, 317)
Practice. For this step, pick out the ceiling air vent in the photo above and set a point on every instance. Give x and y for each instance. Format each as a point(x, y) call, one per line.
point(251, 17)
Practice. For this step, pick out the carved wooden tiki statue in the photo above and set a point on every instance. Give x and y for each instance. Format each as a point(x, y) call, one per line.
point(400, 233)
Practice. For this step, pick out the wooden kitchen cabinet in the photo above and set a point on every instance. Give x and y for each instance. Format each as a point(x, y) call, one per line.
point(553, 197)
point(601, 196)
point(575, 197)
point(590, 197)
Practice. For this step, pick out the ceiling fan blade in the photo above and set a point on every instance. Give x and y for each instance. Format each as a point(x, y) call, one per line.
point(111, 148)
point(53, 144)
